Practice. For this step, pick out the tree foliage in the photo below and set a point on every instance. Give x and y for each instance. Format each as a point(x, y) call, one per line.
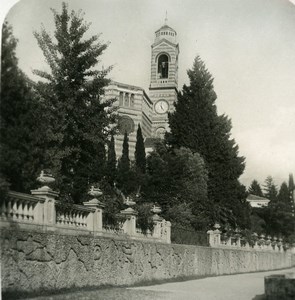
point(196, 125)
point(270, 189)
point(255, 188)
point(78, 121)
point(178, 178)
point(111, 169)
point(140, 156)
point(277, 219)
point(21, 124)
point(126, 176)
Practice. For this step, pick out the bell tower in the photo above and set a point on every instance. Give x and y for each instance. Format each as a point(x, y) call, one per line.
point(164, 77)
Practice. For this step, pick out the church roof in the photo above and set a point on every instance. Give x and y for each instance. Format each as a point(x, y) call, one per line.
point(164, 40)
point(165, 27)
point(256, 198)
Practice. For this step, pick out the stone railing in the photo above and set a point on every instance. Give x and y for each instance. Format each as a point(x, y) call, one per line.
point(236, 240)
point(77, 217)
point(22, 208)
point(41, 210)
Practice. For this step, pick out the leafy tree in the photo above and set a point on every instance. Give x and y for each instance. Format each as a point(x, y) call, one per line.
point(255, 189)
point(270, 189)
point(140, 157)
point(78, 121)
point(144, 219)
point(111, 169)
point(196, 125)
point(21, 140)
point(176, 177)
point(277, 218)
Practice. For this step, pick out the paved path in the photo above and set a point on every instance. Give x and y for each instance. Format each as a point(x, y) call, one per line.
point(239, 287)
point(231, 287)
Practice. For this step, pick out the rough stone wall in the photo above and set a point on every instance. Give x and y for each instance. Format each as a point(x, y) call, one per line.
point(33, 261)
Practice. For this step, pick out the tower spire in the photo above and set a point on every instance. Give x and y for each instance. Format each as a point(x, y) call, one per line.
point(166, 18)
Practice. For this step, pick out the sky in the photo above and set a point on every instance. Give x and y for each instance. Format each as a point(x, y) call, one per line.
point(247, 45)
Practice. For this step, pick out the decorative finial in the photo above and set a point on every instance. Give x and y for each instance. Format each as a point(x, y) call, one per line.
point(166, 18)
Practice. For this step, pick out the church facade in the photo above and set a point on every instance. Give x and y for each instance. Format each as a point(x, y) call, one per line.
point(149, 110)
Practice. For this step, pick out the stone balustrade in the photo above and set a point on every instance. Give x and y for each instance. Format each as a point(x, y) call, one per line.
point(22, 208)
point(236, 240)
point(41, 211)
point(77, 217)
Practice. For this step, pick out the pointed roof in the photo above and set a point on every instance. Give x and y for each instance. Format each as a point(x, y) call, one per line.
point(165, 27)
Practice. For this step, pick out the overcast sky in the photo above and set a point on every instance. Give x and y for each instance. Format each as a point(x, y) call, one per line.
point(247, 45)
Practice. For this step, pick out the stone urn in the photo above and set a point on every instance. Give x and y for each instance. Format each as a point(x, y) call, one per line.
point(95, 192)
point(156, 209)
point(45, 178)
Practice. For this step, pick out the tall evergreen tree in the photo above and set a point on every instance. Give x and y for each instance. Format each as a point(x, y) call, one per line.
point(78, 120)
point(124, 177)
point(196, 125)
point(255, 188)
point(291, 187)
point(140, 157)
point(111, 169)
point(284, 195)
point(270, 189)
point(21, 155)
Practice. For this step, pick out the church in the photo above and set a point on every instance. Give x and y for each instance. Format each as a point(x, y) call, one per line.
point(149, 110)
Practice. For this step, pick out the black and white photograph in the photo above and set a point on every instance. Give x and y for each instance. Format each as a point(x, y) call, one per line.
point(147, 149)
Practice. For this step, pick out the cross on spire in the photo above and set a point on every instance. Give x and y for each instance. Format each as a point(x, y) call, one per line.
point(166, 18)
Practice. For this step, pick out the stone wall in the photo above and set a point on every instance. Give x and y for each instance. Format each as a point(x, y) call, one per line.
point(33, 261)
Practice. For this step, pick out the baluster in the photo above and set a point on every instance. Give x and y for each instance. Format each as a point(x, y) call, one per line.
point(73, 218)
point(4, 212)
point(25, 211)
point(14, 210)
point(31, 207)
point(63, 218)
point(275, 244)
point(78, 219)
point(20, 210)
point(9, 209)
point(84, 220)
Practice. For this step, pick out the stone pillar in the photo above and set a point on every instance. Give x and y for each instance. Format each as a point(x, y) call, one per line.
point(157, 226)
point(95, 220)
point(168, 232)
point(211, 237)
point(238, 240)
point(48, 210)
point(157, 220)
point(129, 226)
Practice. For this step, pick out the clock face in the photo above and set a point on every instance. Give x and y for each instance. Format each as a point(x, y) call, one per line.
point(161, 107)
point(125, 124)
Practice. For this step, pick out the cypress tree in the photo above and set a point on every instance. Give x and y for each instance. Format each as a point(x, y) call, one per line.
point(196, 125)
point(111, 170)
point(140, 156)
point(291, 187)
point(123, 178)
point(283, 195)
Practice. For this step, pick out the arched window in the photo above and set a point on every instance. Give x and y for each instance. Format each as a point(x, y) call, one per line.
point(121, 99)
point(126, 100)
point(132, 100)
point(163, 66)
